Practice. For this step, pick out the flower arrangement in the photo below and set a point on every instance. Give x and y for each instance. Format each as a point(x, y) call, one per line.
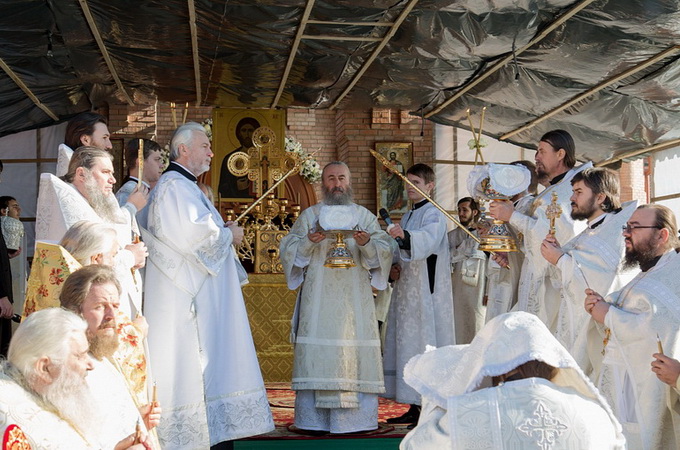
point(310, 169)
point(472, 143)
point(207, 125)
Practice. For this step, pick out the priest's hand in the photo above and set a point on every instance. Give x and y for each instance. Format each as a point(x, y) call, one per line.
point(500, 258)
point(395, 231)
point(596, 306)
point(361, 237)
point(140, 253)
point(501, 210)
point(6, 309)
point(551, 250)
point(316, 237)
point(666, 369)
point(139, 197)
point(151, 414)
point(236, 232)
point(129, 443)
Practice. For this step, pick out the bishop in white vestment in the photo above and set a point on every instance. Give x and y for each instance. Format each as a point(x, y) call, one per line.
point(337, 370)
point(202, 354)
point(497, 393)
point(625, 327)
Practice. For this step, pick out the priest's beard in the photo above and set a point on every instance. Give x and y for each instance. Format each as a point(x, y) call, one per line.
point(337, 195)
point(585, 212)
point(70, 395)
point(106, 206)
point(103, 345)
point(641, 254)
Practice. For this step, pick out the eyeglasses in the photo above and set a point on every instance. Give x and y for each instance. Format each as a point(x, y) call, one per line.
point(629, 228)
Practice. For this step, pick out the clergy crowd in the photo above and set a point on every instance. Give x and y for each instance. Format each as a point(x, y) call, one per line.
point(135, 333)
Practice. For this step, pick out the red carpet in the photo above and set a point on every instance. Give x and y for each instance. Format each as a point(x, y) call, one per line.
point(282, 403)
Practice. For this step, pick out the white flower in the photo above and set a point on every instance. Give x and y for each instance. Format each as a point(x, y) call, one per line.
point(310, 170)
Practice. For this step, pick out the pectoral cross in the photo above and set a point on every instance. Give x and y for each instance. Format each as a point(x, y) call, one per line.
point(553, 211)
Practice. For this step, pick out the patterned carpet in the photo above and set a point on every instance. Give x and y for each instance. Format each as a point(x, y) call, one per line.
point(282, 402)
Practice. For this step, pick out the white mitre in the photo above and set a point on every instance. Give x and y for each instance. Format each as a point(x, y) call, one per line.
point(338, 217)
point(63, 159)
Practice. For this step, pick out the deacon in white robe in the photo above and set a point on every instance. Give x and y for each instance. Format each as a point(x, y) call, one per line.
point(337, 370)
point(627, 322)
point(503, 280)
point(421, 312)
point(152, 168)
point(555, 159)
point(592, 258)
point(468, 274)
point(202, 353)
point(513, 387)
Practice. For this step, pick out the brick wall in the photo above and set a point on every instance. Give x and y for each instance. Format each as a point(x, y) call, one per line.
point(334, 134)
point(633, 181)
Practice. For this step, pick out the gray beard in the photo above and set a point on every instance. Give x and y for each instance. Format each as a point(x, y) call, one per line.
point(106, 206)
point(71, 397)
point(337, 198)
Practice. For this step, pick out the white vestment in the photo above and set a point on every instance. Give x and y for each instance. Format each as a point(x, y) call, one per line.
point(502, 283)
point(468, 281)
point(647, 408)
point(60, 206)
point(461, 409)
point(44, 429)
point(418, 317)
point(335, 329)
point(590, 260)
point(202, 354)
point(115, 402)
point(536, 293)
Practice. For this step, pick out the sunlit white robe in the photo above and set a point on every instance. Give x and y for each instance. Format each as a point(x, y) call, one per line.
point(468, 280)
point(418, 318)
point(536, 293)
point(647, 306)
point(502, 283)
point(43, 429)
point(61, 206)
point(202, 354)
point(461, 410)
point(599, 252)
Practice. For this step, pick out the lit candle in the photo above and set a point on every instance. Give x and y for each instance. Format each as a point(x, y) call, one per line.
point(140, 164)
point(186, 110)
point(658, 343)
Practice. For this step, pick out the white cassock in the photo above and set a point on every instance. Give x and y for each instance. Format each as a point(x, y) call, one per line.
point(502, 283)
point(337, 370)
point(647, 408)
point(60, 206)
point(462, 410)
point(43, 429)
point(468, 280)
point(202, 353)
point(535, 293)
point(118, 410)
point(590, 260)
point(418, 317)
